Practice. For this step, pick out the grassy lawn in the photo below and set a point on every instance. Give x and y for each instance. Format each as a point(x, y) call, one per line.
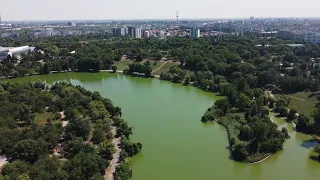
point(157, 65)
point(302, 102)
point(165, 68)
point(42, 118)
point(122, 63)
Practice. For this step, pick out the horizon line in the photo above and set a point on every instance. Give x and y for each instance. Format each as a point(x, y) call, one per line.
point(167, 19)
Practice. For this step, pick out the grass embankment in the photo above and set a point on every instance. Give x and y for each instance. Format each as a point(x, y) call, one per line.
point(303, 102)
point(165, 68)
point(123, 63)
point(232, 121)
point(155, 65)
point(158, 67)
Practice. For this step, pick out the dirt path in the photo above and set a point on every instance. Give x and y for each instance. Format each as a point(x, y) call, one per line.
point(64, 122)
point(123, 68)
point(143, 61)
point(3, 161)
point(62, 115)
point(115, 160)
point(269, 94)
point(165, 62)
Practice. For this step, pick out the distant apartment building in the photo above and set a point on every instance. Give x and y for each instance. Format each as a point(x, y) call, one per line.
point(136, 33)
point(146, 34)
point(126, 30)
point(290, 35)
point(72, 24)
point(206, 27)
point(313, 38)
point(119, 31)
point(194, 33)
point(9, 35)
point(307, 37)
point(130, 30)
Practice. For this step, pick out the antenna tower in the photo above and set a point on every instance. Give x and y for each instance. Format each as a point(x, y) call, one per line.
point(177, 16)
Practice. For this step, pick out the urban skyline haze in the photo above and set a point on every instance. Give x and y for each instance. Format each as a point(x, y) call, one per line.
point(143, 9)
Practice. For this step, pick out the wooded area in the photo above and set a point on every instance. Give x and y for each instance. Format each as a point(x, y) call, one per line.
point(81, 149)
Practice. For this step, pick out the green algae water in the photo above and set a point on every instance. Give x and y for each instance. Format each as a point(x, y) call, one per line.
point(176, 145)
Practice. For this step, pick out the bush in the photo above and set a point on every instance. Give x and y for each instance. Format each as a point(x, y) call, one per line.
point(246, 133)
point(114, 68)
point(317, 149)
point(123, 171)
point(292, 115)
point(208, 116)
point(239, 151)
point(57, 116)
point(27, 150)
point(283, 112)
point(285, 132)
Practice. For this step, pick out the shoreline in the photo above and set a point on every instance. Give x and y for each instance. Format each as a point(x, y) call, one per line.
point(260, 161)
point(249, 163)
point(37, 74)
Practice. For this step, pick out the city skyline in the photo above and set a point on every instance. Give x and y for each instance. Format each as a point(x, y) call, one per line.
point(35, 10)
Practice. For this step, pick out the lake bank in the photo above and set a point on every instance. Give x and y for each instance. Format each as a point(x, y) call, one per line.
point(260, 161)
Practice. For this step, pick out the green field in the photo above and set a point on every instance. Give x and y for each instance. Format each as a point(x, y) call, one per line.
point(123, 64)
point(303, 102)
point(165, 68)
point(157, 65)
point(42, 118)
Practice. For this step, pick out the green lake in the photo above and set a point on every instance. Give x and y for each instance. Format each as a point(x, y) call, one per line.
point(176, 145)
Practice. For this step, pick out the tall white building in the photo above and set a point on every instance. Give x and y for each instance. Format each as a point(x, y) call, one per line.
point(122, 31)
point(194, 33)
point(136, 33)
point(119, 31)
point(146, 34)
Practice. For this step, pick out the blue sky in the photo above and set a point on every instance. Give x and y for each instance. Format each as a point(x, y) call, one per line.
point(154, 9)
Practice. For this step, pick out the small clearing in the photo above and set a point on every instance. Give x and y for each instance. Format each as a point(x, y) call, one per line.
point(165, 67)
point(3, 161)
point(157, 69)
point(64, 123)
point(303, 102)
point(122, 64)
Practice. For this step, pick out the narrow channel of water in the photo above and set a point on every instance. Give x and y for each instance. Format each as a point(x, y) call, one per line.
point(176, 145)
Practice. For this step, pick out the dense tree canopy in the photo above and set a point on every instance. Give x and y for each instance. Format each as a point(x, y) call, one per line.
point(35, 144)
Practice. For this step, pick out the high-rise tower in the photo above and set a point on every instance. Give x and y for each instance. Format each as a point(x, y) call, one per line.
point(194, 33)
point(177, 16)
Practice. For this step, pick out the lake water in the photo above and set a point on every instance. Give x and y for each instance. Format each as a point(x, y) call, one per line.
point(176, 145)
